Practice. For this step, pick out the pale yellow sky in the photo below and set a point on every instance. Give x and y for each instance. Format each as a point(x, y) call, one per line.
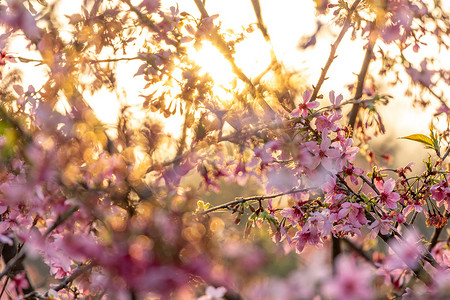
point(287, 21)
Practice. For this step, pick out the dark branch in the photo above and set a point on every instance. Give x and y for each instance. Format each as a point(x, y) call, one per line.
point(334, 47)
point(254, 198)
point(362, 76)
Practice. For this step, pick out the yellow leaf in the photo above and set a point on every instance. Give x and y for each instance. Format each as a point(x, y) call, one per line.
point(421, 139)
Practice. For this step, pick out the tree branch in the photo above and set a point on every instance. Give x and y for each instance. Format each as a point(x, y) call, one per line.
point(334, 47)
point(253, 198)
point(12, 263)
point(362, 76)
point(61, 219)
point(360, 251)
point(63, 284)
point(220, 44)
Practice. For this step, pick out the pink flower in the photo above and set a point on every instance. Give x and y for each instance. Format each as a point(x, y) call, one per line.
point(441, 254)
point(415, 206)
point(213, 293)
point(303, 107)
point(18, 17)
point(303, 237)
point(265, 152)
point(5, 235)
point(293, 214)
point(382, 226)
point(321, 221)
point(20, 282)
point(387, 196)
point(354, 213)
point(323, 154)
point(4, 57)
point(423, 76)
point(441, 193)
point(303, 157)
point(335, 101)
point(333, 193)
point(240, 174)
point(313, 232)
point(407, 251)
point(351, 282)
point(150, 5)
point(442, 109)
point(328, 122)
point(353, 172)
point(402, 171)
point(347, 153)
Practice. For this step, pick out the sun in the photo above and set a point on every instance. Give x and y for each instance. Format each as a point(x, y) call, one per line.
point(212, 62)
point(252, 56)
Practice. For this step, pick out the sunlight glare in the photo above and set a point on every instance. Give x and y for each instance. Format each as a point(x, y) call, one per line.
point(253, 55)
point(212, 62)
point(215, 65)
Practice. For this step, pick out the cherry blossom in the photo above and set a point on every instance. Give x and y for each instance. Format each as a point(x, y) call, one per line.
point(354, 213)
point(352, 173)
point(441, 193)
point(407, 251)
point(335, 101)
point(351, 281)
point(293, 214)
point(324, 154)
point(423, 76)
point(328, 122)
point(150, 5)
point(387, 196)
point(382, 226)
point(134, 210)
point(20, 282)
point(213, 293)
point(305, 105)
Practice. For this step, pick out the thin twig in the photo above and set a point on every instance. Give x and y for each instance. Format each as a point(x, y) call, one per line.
point(142, 16)
point(334, 47)
point(93, 61)
point(4, 287)
point(254, 198)
point(413, 219)
point(80, 270)
point(445, 154)
point(370, 184)
point(435, 237)
point(220, 44)
point(418, 270)
point(262, 27)
point(61, 219)
point(12, 263)
point(63, 284)
point(182, 140)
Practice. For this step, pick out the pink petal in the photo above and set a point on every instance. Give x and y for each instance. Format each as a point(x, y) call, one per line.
point(306, 96)
point(389, 185)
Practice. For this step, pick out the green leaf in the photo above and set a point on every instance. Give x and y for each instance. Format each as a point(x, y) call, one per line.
point(421, 139)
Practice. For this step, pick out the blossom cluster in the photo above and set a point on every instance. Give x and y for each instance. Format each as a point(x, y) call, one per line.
point(128, 211)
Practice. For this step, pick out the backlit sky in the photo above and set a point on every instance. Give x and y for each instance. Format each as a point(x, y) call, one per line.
point(287, 21)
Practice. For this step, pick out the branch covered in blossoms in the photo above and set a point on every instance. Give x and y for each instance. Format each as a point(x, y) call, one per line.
point(130, 209)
